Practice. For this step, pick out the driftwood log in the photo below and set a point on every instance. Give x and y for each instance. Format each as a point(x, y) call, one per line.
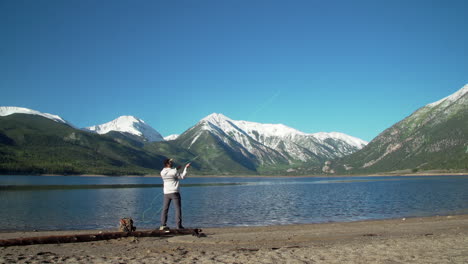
point(96, 237)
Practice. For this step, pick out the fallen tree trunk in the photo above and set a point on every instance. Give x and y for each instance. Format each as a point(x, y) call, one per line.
point(95, 237)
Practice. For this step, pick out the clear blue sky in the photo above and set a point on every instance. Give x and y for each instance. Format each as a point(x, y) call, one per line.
point(355, 67)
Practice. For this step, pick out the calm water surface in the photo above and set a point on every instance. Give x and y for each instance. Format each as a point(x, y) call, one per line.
point(254, 201)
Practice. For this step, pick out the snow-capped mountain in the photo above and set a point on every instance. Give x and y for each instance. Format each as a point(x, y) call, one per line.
point(260, 131)
point(433, 137)
point(9, 110)
point(130, 125)
point(171, 137)
point(272, 143)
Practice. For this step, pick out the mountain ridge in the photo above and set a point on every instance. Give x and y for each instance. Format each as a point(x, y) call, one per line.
point(434, 136)
point(9, 110)
point(34, 144)
point(223, 150)
point(261, 147)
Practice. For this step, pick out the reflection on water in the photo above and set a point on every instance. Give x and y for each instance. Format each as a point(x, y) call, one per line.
point(213, 202)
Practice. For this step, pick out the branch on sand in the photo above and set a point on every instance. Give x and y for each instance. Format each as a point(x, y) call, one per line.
point(96, 237)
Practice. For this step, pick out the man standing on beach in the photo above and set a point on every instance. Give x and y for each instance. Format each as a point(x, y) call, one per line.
point(171, 177)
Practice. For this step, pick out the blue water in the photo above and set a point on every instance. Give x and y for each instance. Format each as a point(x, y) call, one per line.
point(257, 201)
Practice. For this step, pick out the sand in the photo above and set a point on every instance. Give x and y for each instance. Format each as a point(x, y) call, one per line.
point(442, 239)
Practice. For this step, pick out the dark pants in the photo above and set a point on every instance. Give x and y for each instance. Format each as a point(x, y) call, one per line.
point(178, 207)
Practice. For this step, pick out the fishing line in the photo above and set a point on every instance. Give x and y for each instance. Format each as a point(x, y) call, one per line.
point(151, 207)
point(265, 104)
point(196, 157)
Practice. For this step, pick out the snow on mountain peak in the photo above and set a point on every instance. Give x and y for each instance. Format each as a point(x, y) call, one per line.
point(451, 98)
point(171, 137)
point(216, 118)
point(128, 120)
point(353, 141)
point(227, 124)
point(128, 124)
point(269, 130)
point(9, 110)
point(274, 130)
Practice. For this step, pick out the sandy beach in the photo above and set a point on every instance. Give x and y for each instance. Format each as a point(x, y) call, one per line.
point(441, 239)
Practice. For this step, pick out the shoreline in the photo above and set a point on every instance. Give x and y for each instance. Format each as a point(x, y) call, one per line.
point(437, 239)
point(35, 232)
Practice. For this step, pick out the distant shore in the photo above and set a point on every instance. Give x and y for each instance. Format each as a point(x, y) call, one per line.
point(299, 176)
point(337, 176)
point(272, 176)
point(440, 239)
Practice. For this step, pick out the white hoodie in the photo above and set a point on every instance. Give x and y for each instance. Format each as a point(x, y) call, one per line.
point(171, 179)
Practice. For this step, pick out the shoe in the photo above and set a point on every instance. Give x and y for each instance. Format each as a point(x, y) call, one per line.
point(180, 227)
point(163, 228)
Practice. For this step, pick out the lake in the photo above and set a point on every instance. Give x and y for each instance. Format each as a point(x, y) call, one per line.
point(73, 202)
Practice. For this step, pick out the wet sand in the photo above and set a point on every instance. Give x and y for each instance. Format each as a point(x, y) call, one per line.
point(442, 239)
